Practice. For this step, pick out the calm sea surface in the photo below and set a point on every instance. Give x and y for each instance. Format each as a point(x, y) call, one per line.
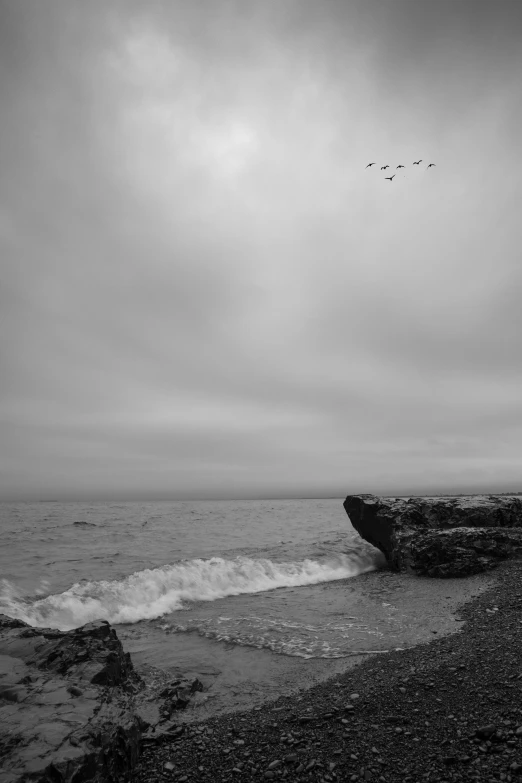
point(254, 597)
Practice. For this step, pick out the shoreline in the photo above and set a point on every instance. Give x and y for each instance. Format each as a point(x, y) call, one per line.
point(247, 677)
point(407, 715)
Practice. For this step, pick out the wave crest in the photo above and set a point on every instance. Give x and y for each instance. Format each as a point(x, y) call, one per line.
point(152, 593)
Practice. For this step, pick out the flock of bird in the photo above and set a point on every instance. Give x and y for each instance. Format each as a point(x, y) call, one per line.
point(400, 166)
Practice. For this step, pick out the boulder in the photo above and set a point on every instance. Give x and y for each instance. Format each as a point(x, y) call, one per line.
point(66, 703)
point(440, 536)
point(72, 708)
point(178, 694)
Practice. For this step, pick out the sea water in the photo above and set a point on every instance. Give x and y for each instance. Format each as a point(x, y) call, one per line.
point(255, 597)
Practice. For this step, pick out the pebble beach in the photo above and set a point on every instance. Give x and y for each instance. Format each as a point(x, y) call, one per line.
point(446, 710)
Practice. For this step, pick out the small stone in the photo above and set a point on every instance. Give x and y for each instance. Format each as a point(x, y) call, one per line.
point(274, 764)
point(450, 760)
point(485, 732)
point(354, 696)
point(169, 765)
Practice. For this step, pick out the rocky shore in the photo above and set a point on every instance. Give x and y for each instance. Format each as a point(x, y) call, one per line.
point(73, 710)
point(440, 536)
point(449, 710)
point(72, 707)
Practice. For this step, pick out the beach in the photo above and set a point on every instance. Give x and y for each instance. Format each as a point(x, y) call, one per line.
point(446, 710)
point(254, 598)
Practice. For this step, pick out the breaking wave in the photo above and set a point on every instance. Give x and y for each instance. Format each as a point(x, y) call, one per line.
point(152, 593)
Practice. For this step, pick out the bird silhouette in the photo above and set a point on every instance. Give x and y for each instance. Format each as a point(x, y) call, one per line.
point(384, 167)
point(416, 162)
point(400, 166)
point(370, 164)
point(390, 178)
point(432, 164)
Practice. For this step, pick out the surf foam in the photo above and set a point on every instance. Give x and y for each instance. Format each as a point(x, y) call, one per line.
point(152, 593)
point(284, 637)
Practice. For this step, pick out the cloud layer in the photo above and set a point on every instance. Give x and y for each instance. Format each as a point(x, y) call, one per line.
point(205, 292)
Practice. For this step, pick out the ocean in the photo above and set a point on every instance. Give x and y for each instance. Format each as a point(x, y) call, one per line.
point(254, 597)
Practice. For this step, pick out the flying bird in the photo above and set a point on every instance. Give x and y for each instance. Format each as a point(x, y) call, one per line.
point(416, 162)
point(370, 164)
point(390, 178)
point(432, 164)
point(400, 166)
point(384, 167)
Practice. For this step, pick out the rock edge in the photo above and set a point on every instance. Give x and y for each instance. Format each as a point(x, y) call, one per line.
point(441, 536)
point(72, 707)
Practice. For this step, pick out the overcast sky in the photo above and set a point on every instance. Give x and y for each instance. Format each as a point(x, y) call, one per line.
point(203, 290)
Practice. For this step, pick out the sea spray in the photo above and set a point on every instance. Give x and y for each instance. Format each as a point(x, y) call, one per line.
point(152, 593)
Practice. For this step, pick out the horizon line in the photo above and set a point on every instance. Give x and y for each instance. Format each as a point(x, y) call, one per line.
point(193, 499)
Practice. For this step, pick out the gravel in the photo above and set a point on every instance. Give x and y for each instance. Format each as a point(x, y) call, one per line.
point(449, 710)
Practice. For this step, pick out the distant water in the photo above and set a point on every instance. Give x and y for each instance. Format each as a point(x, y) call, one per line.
point(242, 593)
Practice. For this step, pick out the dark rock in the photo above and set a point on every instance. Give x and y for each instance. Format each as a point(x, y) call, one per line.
point(486, 732)
point(11, 622)
point(178, 694)
point(440, 537)
point(92, 652)
point(72, 718)
point(449, 760)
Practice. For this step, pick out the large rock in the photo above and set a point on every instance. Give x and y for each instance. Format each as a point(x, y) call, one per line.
point(72, 708)
point(66, 704)
point(440, 536)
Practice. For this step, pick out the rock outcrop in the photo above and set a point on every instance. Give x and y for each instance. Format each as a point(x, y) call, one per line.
point(72, 708)
point(66, 704)
point(440, 536)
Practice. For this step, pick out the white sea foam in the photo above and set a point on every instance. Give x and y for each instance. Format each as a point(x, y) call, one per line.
point(152, 593)
point(285, 637)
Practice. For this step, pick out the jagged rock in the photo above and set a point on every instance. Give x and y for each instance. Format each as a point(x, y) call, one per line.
point(442, 537)
point(72, 708)
point(66, 704)
point(91, 652)
point(178, 694)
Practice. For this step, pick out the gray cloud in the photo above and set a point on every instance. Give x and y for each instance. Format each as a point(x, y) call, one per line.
point(204, 292)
